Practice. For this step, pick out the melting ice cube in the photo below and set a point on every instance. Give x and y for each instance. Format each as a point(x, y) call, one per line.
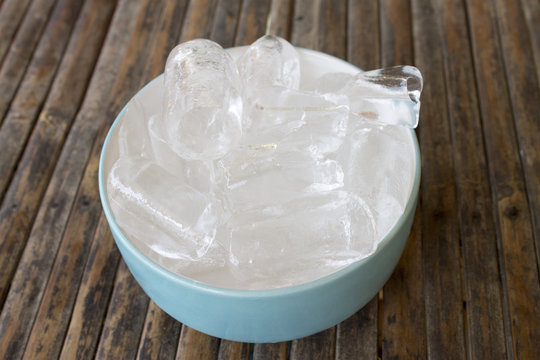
point(203, 105)
point(388, 95)
point(152, 206)
point(269, 61)
point(302, 236)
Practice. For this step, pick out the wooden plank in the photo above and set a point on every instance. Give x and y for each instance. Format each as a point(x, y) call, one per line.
point(524, 91)
point(264, 351)
point(517, 201)
point(403, 316)
point(440, 227)
point(356, 337)
point(21, 50)
point(46, 141)
point(194, 345)
point(52, 217)
point(484, 310)
point(225, 22)
point(11, 15)
point(253, 21)
point(59, 294)
point(280, 18)
point(396, 33)
point(402, 323)
point(159, 338)
point(34, 88)
point(315, 347)
point(125, 315)
point(199, 20)
point(93, 296)
point(531, 9)
point(363, 45)
point(233, 350)
point(16, 129)
point(321, 25)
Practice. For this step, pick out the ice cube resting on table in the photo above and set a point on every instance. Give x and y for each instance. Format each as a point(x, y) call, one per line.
point(252, 173)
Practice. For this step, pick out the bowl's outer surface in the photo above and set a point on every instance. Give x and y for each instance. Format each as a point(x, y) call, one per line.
point(264, 315)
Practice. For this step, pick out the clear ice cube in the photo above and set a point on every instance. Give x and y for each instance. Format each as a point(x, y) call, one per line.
point(133, 137)
point(152, 206)
point(388, 95)
point(269, 61)
point(259, 177)
point(199, 174)
point(377, 164)
point(299, 240)
point(203, 104)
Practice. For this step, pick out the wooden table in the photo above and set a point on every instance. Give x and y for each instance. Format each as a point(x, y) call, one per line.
point(467, 284)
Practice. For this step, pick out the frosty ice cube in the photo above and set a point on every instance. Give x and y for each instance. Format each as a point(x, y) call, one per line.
point(374, 157)
point(388, 95)
point(203, 105)
point(262, 176)
point(326, 230)
point(199, 174)
point(269, 61)
point(152, 206)
point(133, 137)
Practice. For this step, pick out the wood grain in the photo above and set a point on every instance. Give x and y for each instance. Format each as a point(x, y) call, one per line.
point(23, 45)
point(517, 199)
point(320, 25)
point(159, 338)
point(277, 351)
point(483, 288)
point(233, 350)
point(356, 337)
point(363, 37)
point(61, 190)
point(125, 317)
point(194, 345)
point(15, 130)
point(225, 22)
point(315, 347)
point(280, 18)
point(440, 225)
point(531, 10)
point(11, 15)
point(199, 20)
point(34, 88)
point(93, 296)
point(253, 21)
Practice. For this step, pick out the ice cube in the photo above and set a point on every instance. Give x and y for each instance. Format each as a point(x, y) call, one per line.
point(269, 61)
point(378, 164)
point(133, 138)
point(154, 207)
point(300, 240)
point(330, 83)
point(199, 174)
point(388, 95)
point(203, 105)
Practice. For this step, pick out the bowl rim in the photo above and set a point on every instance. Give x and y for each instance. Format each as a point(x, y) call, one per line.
point(119, 235)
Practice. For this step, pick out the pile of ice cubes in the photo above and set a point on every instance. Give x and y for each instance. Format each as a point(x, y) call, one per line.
point(250, 179)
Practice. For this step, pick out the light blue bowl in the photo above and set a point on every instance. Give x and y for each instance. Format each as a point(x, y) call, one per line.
point(265, 315)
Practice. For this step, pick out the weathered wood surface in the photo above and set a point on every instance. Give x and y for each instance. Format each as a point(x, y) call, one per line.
point(467, 285)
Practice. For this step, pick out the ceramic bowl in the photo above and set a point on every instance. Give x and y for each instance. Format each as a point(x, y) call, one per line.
point(262, 315)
